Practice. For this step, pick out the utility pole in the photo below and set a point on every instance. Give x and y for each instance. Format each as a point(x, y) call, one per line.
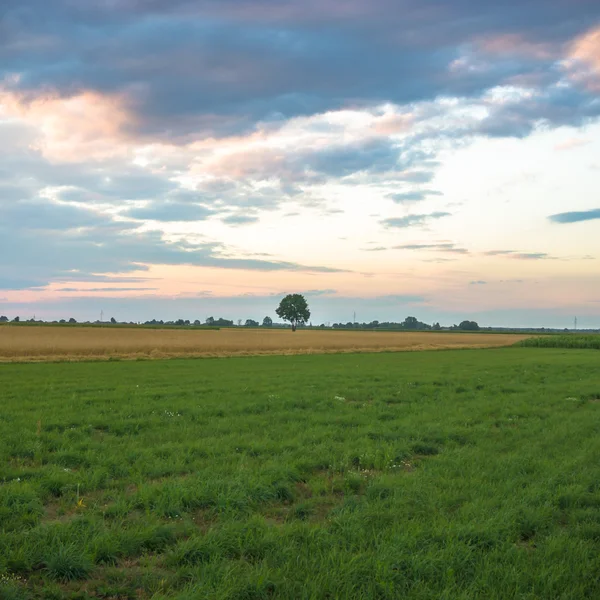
point(354, 322)
point(575, 323)
point(101, 316)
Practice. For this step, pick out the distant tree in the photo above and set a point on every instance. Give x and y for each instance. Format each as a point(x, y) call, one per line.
point(251, 323)
point(180, 322)
point(16, 319)
point(62, 321)
point(469, 326)
point(210, 321)
point(72, 320)
point(293, 308)
point(220, 322)
point(239, 322)
point(410, 323)
point(436, 327)
point(3, 319)
point(197, 323)
point(267, 322)
point(113, 320)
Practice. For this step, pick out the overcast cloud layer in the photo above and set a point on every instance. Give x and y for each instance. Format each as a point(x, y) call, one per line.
point(236, 147)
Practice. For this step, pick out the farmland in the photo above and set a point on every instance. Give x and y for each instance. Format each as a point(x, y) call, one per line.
point(77, 343)
point(458, 474)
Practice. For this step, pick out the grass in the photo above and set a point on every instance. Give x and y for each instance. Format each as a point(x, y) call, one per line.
point(590, 342)
point(33, 343)
point(457, 475)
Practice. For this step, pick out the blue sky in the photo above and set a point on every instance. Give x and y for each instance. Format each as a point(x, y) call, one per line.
point(186, 159)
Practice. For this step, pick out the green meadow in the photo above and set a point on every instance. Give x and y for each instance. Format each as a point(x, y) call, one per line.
point(428, 475)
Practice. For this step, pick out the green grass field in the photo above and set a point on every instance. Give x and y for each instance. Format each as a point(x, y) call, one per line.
point(450, 474)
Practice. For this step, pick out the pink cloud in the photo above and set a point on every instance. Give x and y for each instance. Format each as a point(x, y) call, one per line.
point(571, 143)
point(587, 49)
point(583, 60)
point(516, 45)
point(393, 123)
point(88, 124)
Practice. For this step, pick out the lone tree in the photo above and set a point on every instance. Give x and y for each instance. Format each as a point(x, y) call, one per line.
point(267, 322)
point(293, 308)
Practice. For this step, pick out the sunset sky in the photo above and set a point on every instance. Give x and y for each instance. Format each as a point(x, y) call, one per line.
point(181, 159)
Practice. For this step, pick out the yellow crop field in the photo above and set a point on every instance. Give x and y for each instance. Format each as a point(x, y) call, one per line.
point(84, 343)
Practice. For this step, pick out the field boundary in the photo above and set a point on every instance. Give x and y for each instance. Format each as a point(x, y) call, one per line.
point(240, 354)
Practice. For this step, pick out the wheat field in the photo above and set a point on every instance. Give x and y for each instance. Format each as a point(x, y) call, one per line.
point(85, 343)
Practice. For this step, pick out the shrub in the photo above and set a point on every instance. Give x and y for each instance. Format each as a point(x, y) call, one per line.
point(68, 563)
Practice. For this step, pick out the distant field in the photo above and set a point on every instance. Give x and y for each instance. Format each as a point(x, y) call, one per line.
point(417, 475)
point(77, 343)
point(589, 342)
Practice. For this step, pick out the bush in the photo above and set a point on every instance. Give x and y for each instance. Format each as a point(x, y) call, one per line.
point(68, 563)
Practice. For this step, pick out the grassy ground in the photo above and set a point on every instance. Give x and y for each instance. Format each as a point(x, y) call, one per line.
point(456, 475)
point(84, 343)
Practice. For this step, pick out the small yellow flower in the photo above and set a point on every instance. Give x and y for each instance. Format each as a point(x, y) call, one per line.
point(80, 503)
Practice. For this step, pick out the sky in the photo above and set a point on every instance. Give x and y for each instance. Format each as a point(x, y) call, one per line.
point(184, 159)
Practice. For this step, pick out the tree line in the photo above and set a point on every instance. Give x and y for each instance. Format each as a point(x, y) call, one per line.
point(294, 310)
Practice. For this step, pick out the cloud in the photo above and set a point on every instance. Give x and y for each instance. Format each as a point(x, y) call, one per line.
point(585, 59)
point(530, 256)
point(402, 298)
point(115, 124)
point(520, 255)
point(576, 216)
point(413, 220)
point(18, 283)
point(319, 159)
point(480, 282)
point(571, 143)
point(223, 66)
point(90, 278)
point(110, 247)
point(50, 216)
point(325, 292)
point(413, 196)
point(442, 247)
point(240, 220)
point(105, 289)
point(170, 211)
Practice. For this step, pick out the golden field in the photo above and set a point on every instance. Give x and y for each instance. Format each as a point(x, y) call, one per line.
point(84, 343)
